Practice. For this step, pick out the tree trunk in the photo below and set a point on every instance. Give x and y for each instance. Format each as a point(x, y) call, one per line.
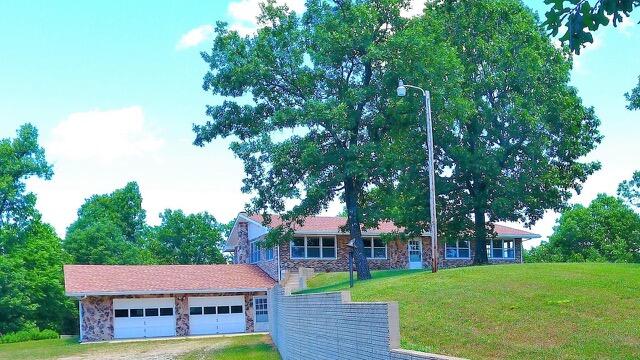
point(353, 222)
point(481, 237)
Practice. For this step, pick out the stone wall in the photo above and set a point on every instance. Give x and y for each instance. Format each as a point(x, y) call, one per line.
point(242, 249)
point(329, 326)
point(269, 266)
point(397, 257)
point(243, 253)
point(97, 319)
point(97, 313)
point(449, 263)
point(182, 315)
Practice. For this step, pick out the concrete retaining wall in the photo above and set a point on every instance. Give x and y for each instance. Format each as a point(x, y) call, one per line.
point(329, 326)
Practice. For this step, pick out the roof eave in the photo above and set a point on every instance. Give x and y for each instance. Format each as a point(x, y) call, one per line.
point(161, 292)
point(519, 236)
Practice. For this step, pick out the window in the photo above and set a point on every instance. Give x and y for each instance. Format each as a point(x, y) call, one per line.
point(255, 251)
point(268, 253)
point(236, 309)
point(223, 309)
point(136, 313)
point(457, 249)
point(501, 249)
point(195, 310)
point(297, 248)
point(260, 306)
point(374, 248)
point(314, 247)
point(151, 312)
point(166, 311)
point(121, 313)
point(208, 310)
point(328, 247)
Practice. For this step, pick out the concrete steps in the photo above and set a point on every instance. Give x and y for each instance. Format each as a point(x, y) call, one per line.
point(296, 280)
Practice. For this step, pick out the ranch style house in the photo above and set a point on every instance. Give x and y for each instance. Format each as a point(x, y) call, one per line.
point(149, 301)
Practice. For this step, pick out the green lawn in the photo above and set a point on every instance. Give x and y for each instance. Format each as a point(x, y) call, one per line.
point(254, 347)
point(521, 311)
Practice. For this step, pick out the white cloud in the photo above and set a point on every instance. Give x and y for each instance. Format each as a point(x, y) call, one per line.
point(195, 36)
point(626, 26)
point(103, 135)
point(244, 13)
point(416, 7)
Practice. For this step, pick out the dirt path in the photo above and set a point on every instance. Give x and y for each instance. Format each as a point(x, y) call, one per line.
point(151, 350)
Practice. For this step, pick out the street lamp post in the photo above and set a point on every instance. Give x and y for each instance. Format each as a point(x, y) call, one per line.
point(351, 245)
point(402, 91)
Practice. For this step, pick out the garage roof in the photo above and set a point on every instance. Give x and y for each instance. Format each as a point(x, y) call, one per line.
point(83, 280)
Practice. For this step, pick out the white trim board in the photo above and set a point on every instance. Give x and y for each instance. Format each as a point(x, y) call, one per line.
point(163, 292)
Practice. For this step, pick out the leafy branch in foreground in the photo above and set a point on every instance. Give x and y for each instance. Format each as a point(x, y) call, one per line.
point(582, 17)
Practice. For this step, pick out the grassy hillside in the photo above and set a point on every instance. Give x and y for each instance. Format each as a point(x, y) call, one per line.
point(524, 311)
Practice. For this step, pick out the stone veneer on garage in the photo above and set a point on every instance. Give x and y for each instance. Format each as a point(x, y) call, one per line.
point(97, 313)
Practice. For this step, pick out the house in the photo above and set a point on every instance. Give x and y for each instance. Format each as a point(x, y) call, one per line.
point(321, 244)
point(146, 301)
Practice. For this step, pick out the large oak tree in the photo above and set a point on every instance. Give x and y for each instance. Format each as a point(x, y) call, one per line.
point(518, 148)
point(312, 106)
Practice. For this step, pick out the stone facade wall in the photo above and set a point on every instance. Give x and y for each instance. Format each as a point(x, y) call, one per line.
point(243, 253)
point(242, 249)
point(97, 313)
point(397, 257)
point(97, 319)
point(269, 266)
point(329, 326)
point(182, 315)
point(449, 263)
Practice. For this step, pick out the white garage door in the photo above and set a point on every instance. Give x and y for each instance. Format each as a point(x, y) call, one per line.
point(216, 315)
point(143, 318)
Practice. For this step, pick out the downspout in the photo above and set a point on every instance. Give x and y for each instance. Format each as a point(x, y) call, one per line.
point(279, 270)
point(80, 317)
point(521, 251)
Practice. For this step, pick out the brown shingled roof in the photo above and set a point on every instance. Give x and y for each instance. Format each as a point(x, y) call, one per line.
point(326, 224)
point(332, 224)
point(170, 279)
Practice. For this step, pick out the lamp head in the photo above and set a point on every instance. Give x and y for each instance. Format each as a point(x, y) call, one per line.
point(402, 90)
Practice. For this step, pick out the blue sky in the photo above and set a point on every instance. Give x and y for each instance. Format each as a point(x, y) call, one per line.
point(115, 86)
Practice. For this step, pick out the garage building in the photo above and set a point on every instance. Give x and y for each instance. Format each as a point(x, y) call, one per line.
point(150, 301)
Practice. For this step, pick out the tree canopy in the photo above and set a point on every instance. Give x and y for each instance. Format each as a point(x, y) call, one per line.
point(110, 229)
point(629, 190)
point(633, 97)
point(606, 230)
point(31, 256)
point(20, 158)
point(187, 239)
point(514, 145)
point(321, 121)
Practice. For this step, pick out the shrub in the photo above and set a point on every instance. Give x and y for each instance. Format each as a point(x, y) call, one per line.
point(29, 333)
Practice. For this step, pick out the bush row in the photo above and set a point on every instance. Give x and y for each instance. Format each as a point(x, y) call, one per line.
point(30, 333)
